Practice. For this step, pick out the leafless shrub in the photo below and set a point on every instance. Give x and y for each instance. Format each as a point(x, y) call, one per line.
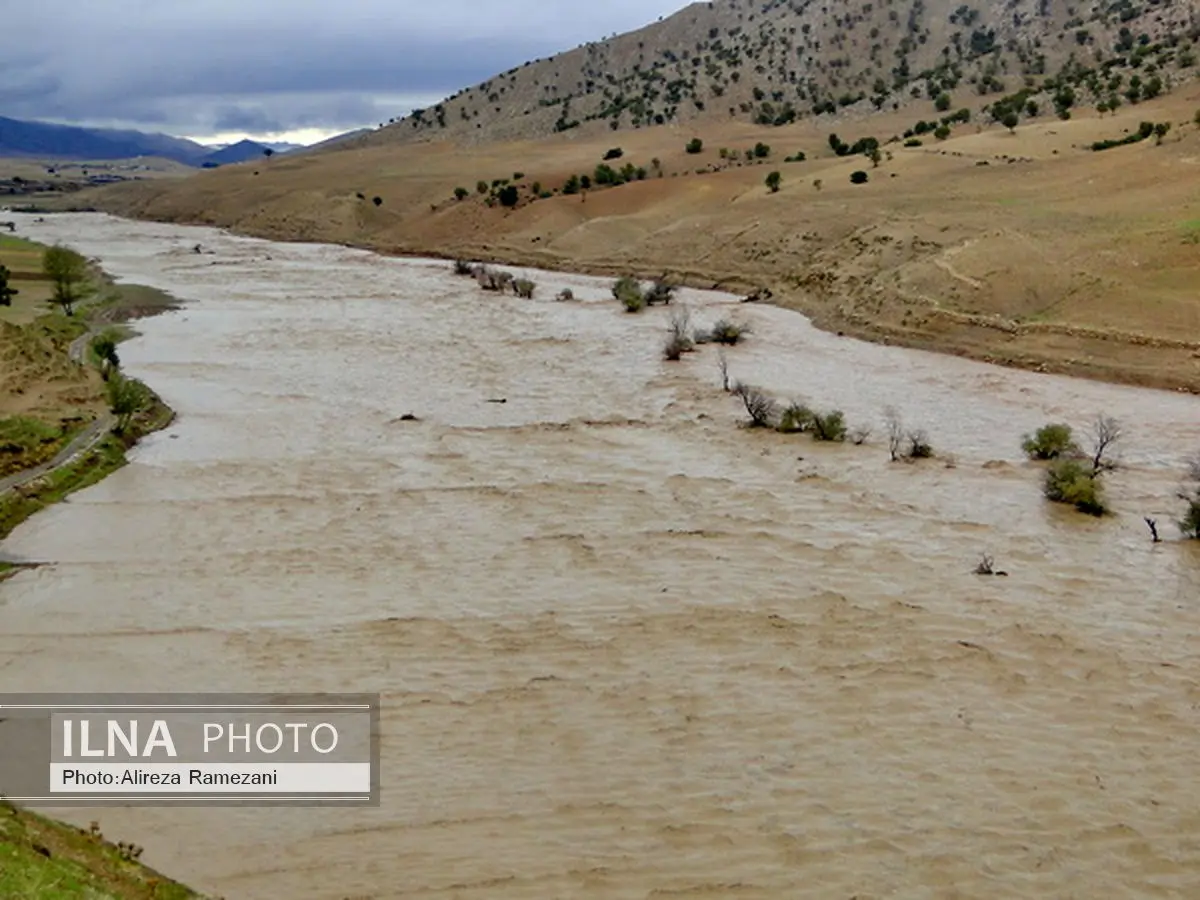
point(860, 435)
point(723, 363)
point(565, 295)
point(662, 291)
point(918, 445)
point(492, 280)
point(986, 566)
point(760, 407)
point(1106, 432)
point(1193, 468)
point(895, 432)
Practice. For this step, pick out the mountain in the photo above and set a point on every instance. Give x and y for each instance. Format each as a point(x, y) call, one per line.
point(282, 147)
point(776, 61)
point(242, 151)
point(48, 141)
point(45, 140)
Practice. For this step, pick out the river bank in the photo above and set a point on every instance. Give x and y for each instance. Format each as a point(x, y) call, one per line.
point(59, 435)
point(41, 858)
point(623, 644)
point(992, 246)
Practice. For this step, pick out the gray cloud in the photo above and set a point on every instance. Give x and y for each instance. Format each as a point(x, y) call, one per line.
point(263, 66)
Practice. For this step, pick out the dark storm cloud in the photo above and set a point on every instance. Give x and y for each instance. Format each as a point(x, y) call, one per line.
point(273, 65)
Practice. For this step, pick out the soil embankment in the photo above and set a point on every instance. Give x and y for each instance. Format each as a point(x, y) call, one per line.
point(1025, 249)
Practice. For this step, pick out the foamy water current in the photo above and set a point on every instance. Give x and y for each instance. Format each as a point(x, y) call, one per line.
point(626, 647)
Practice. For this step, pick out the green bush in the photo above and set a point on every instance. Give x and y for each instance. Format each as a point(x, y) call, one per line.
point(1050, 442)
point(508, 195)
point(695, 145)
point(913, 142)
point(726, 332)
point(1072, 482)
point(772, 182)
point(1189, 524)
point(481, 187)
point(523, 287)
point(829, 427)
point(629, 292)
point(942, 132)
point(858, 177)
point(460, 193)
point(761, 150)
point(796, 419)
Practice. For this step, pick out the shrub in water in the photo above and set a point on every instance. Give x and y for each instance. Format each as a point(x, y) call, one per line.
point(1071, 481)
point(1049, 442)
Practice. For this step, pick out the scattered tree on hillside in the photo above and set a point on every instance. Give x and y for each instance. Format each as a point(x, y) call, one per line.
point(378, 201)
point(1010, 121)
point(6, 291)
point(460, 193)
point(772, 182)
point(1160, 132)
point(67, 269)
point(695, 145)
point(858, 177)
point(268, 152)
point(508, 195)
point(481, 187)
point(875, 156)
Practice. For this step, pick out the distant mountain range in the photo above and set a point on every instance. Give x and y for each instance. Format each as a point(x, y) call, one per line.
point(43, 140)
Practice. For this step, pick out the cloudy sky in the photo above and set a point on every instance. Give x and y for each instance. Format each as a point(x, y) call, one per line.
point(275, 69)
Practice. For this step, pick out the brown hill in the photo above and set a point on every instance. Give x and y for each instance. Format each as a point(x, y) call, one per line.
point(1025, 247)
point(776, 61)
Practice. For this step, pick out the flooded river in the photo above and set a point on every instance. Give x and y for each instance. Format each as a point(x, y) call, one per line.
point(626, 647)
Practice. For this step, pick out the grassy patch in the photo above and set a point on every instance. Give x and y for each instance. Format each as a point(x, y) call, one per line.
point(26, 442)
point(101, 460)
point(9, 242)
point(42, 858)
point(122, 302)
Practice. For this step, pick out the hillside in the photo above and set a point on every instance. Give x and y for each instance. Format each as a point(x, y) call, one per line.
point(1025, 247)
point(777, 61)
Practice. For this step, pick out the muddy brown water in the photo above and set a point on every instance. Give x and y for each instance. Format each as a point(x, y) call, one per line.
point(626, 647)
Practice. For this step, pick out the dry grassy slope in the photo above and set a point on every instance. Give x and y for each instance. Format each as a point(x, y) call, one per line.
point(1049, 255)
point(752, 61)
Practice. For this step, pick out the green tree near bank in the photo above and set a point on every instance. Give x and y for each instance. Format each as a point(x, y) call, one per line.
point(103, 349)
point(68, 271)
point(7, 292)
point(126, 398)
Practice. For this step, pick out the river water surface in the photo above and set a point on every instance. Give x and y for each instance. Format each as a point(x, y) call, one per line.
point(626, 647)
